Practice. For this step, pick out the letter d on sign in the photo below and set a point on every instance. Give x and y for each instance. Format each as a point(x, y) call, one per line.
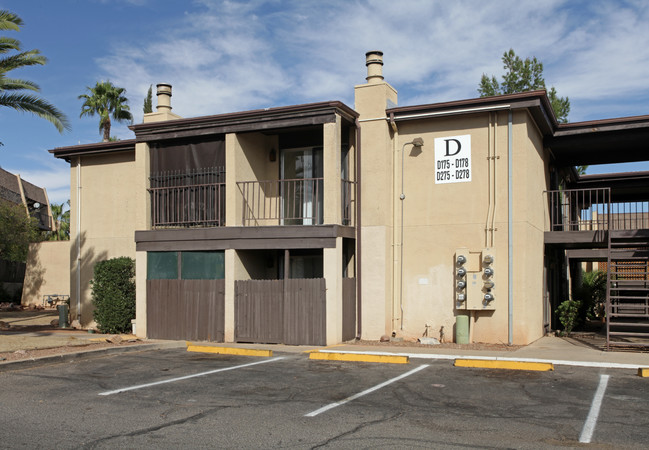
point(448, 147)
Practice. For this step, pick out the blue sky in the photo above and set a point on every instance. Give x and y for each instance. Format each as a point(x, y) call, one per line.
point(224, 56)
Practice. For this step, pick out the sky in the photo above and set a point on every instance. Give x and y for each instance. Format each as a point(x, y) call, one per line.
point(226, 56)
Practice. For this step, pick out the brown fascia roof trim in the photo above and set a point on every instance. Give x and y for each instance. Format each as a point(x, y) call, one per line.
point(603, 125)
point(599, 177)
point(536, 101)
point(93, 149)
point(259, 119)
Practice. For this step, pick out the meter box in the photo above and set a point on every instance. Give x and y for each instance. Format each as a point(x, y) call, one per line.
point(474, 279)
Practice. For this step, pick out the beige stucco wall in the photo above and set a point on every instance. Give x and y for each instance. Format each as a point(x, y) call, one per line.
point(439, 218)
point(47, 271)
point(247, 159)
point(109, 203)
point(377, 177)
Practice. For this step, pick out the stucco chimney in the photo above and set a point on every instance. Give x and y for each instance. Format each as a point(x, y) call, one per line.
point(164, 97)
point(374, 63)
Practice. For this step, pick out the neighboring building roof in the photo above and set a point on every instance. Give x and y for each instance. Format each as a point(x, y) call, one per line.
point(10, 190)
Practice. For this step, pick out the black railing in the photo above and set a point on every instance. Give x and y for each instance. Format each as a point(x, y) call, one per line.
point(192, 198)
point(282, 202)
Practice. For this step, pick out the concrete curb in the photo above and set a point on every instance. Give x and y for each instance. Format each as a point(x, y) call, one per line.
point(505, 365)
point(228, 350)
point(358, 357)
point(79, 355)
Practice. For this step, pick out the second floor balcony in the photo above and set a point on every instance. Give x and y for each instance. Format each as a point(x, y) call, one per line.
point(197, 198)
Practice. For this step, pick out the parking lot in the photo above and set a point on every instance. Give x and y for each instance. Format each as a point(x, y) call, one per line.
point(173, 398)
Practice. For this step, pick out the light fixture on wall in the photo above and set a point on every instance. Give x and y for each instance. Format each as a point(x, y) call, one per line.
point(272, 156)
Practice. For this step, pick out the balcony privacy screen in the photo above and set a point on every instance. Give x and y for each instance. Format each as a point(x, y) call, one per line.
point(187, 155)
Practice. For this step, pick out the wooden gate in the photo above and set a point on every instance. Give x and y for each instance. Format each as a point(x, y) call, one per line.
point(186, 309)
point(280, 311)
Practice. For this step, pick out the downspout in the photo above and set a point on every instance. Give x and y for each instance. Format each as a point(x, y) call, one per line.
point(358, 258)
point(395, 139)
point(510, 231)
point(79, 239)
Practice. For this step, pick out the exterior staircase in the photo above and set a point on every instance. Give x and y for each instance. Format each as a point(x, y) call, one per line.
point(627, 295)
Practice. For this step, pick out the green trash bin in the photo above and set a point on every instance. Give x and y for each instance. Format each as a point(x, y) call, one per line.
point(63, 315)
point(462, 329)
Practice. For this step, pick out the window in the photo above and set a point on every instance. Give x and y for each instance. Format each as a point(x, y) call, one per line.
point(208, 265)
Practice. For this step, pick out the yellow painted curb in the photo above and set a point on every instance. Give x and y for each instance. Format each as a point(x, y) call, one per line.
point(228, 350)
point(359, 357)
point(510, 365)
point(643, 372)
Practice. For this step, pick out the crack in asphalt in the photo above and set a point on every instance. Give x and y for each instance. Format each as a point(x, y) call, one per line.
point(356, 429)
point(192, 418)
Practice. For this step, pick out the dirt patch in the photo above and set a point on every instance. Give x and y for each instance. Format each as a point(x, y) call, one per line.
point(56, 351)
point(449, 345)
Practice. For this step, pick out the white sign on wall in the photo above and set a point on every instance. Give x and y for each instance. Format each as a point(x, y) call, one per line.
point(453, 159)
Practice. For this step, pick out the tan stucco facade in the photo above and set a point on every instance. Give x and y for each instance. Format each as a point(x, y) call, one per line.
point(47, 272)
point(412, 226)
point(102, 223)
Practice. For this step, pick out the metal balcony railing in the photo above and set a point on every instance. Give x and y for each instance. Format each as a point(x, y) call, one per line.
point(592, 210)
point(282, 202)
point(193, 198)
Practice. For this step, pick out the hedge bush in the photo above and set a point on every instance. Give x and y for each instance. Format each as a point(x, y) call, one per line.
point(113, 294)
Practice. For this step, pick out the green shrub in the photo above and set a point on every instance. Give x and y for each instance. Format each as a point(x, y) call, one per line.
point(113, 294)
point(568, 313)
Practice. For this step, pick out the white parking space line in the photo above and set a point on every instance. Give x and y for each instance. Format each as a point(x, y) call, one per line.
point(593, 414)
point(186, 377)
point(365, 392)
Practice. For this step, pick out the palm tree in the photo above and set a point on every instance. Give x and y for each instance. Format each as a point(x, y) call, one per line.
point(10, 88)
point(106, 100)
point(61, 231)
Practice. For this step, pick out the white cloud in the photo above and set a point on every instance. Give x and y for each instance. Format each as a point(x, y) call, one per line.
point(226, 56)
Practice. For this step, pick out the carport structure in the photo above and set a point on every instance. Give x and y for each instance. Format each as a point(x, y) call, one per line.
point(603, 218)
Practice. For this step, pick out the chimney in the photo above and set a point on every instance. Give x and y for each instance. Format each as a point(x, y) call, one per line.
point(164, 97)
point(374, 63)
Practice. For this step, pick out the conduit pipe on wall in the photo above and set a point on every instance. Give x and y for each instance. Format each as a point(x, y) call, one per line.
point(510, 231)
point(487, 230)
point(79, 239)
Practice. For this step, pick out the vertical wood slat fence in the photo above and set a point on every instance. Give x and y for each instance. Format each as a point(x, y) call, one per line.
point(186, 309)
point(188, 198)
point(289, 311)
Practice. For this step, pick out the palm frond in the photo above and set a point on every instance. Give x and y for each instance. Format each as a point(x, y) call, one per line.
point(24, 59)
point(37, 106)
point(7, 43)
point(14, 84)
point(9, 21)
